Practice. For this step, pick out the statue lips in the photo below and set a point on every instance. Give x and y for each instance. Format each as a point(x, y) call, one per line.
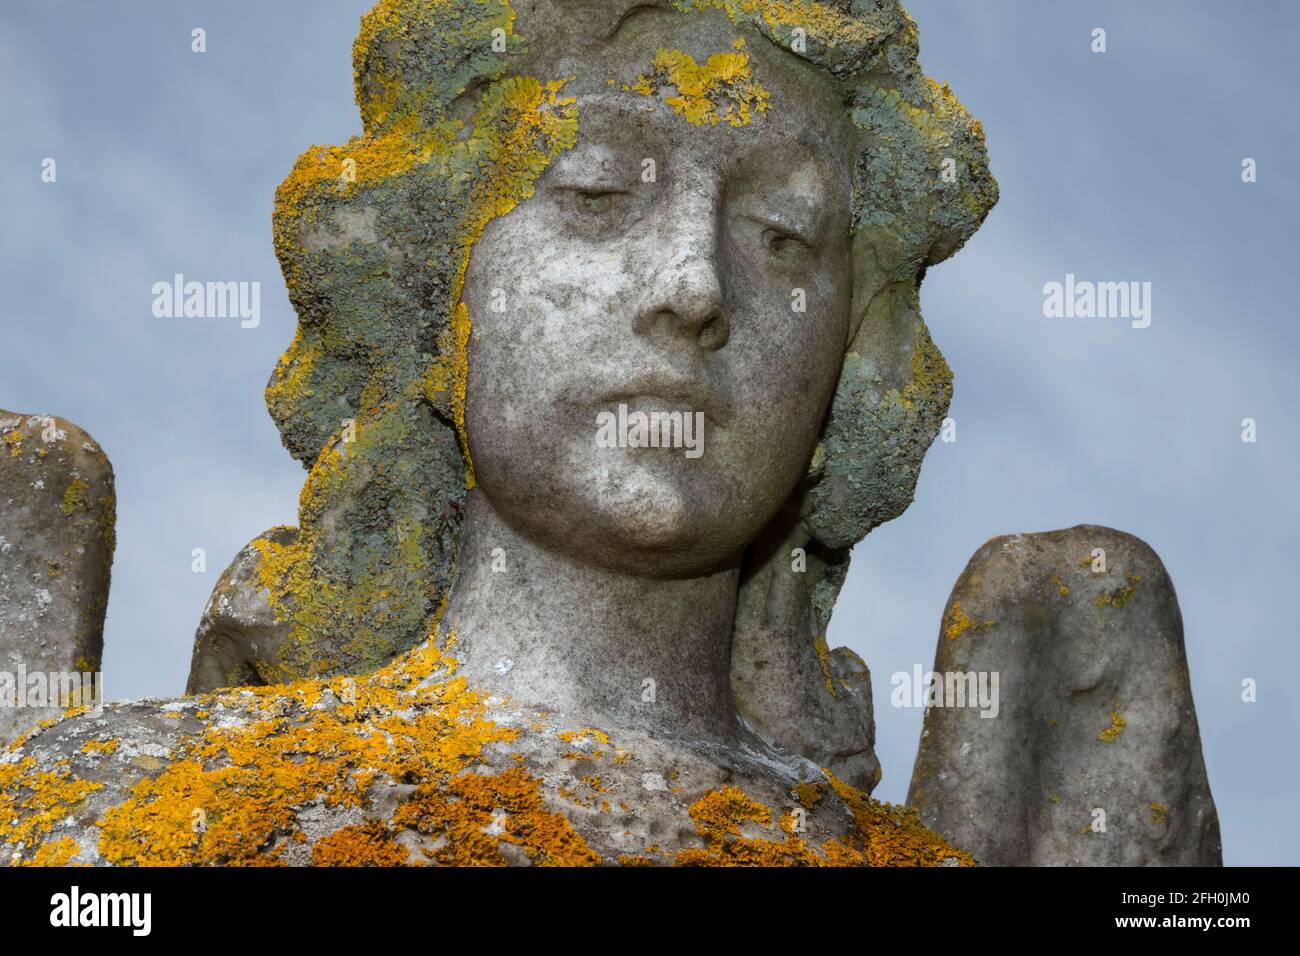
point(674, 392)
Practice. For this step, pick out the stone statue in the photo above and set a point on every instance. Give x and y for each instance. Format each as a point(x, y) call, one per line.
point(1094, 757)
point(58, 514)
point(609, 350)
point(375, 240)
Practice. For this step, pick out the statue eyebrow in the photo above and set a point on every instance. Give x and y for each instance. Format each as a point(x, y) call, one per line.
point(595, 166)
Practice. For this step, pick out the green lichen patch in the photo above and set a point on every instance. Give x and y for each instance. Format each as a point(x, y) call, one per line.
point(75, 497)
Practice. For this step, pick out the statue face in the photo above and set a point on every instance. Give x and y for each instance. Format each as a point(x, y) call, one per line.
point(659, 268)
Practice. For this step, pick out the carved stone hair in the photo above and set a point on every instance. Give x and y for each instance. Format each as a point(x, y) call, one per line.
point(374, 237)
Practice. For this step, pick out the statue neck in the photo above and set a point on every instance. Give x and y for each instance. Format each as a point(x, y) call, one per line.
point(549, 631)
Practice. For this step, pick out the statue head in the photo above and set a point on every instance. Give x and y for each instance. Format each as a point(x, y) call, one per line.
point(687, 258)
point(564, 211)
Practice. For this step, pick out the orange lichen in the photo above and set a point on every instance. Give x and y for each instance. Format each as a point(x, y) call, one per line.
point(248, 781)
point(462, 816)
point(885, 835)
point(23, 738)
point(235, 792)
point(894, 835)
point(583, 736)
point(366, 845)
point(719, 816)
point(32, 800)
point(808, 794)
point(54, 853)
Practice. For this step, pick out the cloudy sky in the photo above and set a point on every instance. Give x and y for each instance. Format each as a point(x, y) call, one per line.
point(1122, 166)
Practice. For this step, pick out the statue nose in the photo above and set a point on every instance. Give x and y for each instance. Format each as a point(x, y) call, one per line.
point(684, 301)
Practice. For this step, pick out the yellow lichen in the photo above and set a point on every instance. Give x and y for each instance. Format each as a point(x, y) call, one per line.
point(232, 794)
point(824, 659)
point(461, 328)
point(821, 23)
point(1122, 596)
point(957, 621)
point(1117, 725)
point(721, 90)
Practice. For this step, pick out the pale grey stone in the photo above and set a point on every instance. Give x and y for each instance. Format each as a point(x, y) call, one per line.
point(57, 513)
point(1095, 720)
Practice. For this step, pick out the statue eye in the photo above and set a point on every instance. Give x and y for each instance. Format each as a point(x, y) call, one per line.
point(596, 201)
point(595, 212)
point(782, 242)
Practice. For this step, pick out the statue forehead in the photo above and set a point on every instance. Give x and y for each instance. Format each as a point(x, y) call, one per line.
point(618, 131)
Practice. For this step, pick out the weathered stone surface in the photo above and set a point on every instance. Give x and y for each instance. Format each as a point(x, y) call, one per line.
point(57, 513)
point(410, 766)
point(1095, 710)
point(239, 641)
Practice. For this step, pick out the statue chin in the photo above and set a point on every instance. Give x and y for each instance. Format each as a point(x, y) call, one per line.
point(647, 512)
point(631, 520)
